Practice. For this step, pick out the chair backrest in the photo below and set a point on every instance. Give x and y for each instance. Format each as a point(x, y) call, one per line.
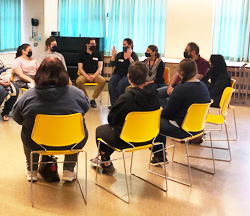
point(141, 126)
point(166, 75)
point(58, 130)
point(195, 118)
point(225, 99)
point(233, 81)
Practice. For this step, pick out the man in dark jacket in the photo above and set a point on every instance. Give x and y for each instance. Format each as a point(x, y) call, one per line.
point(138, 98)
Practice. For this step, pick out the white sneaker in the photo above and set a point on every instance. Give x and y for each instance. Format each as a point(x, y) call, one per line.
point(68, 176)
point(93, 162)
point(34, 175)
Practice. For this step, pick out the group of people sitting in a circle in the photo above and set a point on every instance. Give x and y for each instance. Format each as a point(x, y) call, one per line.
point(54, 94)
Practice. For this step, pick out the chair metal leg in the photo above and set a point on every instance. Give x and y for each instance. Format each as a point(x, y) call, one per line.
point(150, 171)
point(235, 125)
point(128, 200)
point(206, 158)
point(84, 197)
point(31, 182)
point(229, 150)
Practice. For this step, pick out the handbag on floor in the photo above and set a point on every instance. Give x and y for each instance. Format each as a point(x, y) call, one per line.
point(49, 171)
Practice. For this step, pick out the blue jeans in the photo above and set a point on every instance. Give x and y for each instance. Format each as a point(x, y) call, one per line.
point(162, 92)
point(157, 85)
point(117, 87)
point(9, 103)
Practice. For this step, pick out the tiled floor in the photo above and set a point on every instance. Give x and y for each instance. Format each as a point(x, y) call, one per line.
point(227, 193)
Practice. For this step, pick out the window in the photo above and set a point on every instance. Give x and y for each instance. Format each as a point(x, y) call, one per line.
point(10, 25)
point(232, 29)
point(144, 21)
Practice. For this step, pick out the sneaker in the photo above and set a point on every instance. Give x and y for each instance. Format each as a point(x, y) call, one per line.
point(155, 161)
point(109, 170)
point(93, 103)
point(93, 162)
point(34, 175)
point(68, 176)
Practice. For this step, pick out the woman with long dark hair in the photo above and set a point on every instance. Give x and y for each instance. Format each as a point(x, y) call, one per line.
point(51, 95)
point(156, 67)
point(24, 66)
point(119, 81)
point(217, 78)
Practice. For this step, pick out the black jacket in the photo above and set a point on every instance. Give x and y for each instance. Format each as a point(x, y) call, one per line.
point(135, 99)
point(216, 85)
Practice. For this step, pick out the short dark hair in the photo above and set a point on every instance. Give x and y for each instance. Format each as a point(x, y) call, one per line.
point(51, 72)
point(130, 42)
point(195, 47)
point(187, 69)
point(87, 40)
point(20, 48)
point(138, 72)
point(154, 49)
point(49, 41)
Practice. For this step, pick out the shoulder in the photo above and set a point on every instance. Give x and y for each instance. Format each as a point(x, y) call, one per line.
point(202, 60)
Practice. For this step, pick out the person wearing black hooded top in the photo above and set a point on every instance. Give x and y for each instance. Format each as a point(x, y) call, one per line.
point(51, 95)
point(217, 78)
point(119, 81)
point(138, 98)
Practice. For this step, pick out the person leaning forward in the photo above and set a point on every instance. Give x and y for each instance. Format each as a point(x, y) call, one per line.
point(90, 66)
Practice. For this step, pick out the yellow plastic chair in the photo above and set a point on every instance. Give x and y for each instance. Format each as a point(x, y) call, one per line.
point(138, 127)
point(59, 131)
point(221, 118)
point(166, 75)
point(92, 84)
point(194, 121)
point(233, 81)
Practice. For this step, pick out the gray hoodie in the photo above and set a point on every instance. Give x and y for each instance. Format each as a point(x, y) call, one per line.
point(51, 100)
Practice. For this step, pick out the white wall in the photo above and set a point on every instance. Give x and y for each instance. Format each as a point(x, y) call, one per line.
point(188, 21)
point(50, 17)
point(32, 9)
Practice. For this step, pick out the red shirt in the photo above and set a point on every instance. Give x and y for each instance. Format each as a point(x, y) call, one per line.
point(202, 66)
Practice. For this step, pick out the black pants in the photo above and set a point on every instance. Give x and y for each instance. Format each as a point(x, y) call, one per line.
point(109, 135)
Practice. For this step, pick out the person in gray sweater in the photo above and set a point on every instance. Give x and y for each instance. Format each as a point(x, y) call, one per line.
point(51, 95)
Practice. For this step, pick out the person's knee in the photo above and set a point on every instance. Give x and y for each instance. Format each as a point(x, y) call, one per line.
point(80, 81)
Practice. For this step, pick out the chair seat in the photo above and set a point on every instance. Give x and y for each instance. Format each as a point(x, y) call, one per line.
point(187, 138)
point(59, 152)
point(137, 148)
point(215, 119)
point(90, 84)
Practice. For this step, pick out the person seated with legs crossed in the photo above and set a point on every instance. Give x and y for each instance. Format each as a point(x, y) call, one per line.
point(139, 97)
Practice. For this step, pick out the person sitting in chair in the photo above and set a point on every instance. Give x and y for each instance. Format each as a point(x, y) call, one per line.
point(138, 98)
point(53, 96)
point(90, 67)
point(190, 91)
point(8, 91)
